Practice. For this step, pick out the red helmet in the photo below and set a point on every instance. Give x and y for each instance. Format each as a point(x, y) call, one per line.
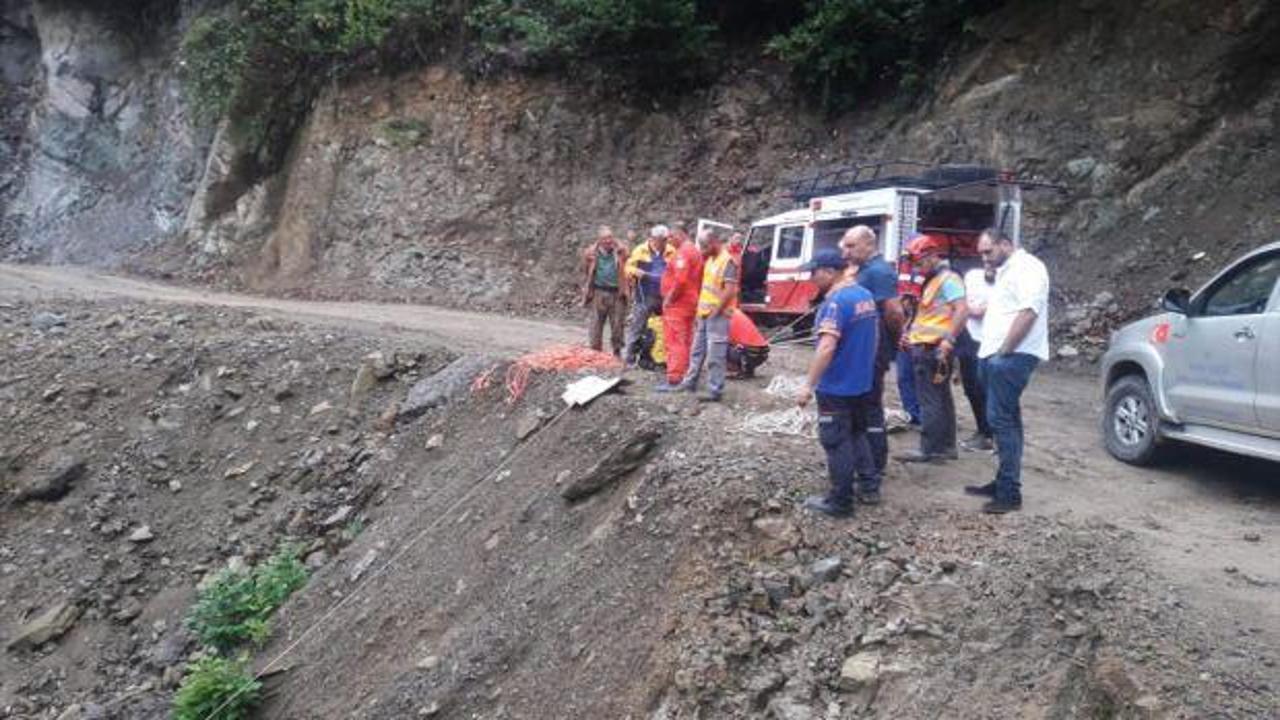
point(928, 245)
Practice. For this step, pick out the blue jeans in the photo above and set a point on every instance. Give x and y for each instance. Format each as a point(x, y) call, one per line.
point(842, 430)
point(907, 385)
point(1006, 376)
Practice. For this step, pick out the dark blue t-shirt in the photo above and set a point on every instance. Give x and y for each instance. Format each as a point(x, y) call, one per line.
point(879, 277)
point(850, 315)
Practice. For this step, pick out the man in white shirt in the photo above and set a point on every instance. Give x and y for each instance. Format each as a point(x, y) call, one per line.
point(977, 288)
point(1015, 339)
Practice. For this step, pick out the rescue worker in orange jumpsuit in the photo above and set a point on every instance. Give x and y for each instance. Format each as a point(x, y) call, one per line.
point(680, 285)
point(717, 302)
point(748, 348)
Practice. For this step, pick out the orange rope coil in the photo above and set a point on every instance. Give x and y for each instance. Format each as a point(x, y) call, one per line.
point(555, 357)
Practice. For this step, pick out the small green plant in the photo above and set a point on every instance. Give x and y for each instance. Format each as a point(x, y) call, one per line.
point(352, 530)
point(405, 133)
point(216, 688)
point(236, 608)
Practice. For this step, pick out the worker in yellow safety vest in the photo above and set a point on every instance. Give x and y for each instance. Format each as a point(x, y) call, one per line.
point(717, 301)
point(930, 339)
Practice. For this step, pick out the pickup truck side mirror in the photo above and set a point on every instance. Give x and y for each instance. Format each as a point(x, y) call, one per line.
point(1177, 300)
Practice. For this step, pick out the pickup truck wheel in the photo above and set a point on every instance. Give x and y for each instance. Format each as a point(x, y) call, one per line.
point(1130, 421)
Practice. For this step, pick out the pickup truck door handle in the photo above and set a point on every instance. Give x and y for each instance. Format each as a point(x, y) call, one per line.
point(1245, 333)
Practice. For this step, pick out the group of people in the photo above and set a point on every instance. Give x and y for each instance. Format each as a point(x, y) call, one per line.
point(993, 323)
point(692, 286)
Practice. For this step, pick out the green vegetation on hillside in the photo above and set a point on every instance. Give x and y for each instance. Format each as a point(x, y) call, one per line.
point(234, 611)
point(216, 689)
point(261, 62)
point(843, 49)
point(652, 43)
point(236, 607)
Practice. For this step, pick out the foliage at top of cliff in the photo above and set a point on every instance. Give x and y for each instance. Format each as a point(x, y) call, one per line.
point(837, 48)
point(652, 43)
point(842, 49)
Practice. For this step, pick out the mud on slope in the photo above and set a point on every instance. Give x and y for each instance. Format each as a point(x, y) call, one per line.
point(693, 588)
point(690, 587)
point(146, 447)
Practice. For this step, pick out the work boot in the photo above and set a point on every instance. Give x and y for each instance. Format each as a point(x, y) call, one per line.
point(871, 497)
point(710, 397)
point(1000, 507)
point(977, 442)
point(818, 503)
point(988, 490)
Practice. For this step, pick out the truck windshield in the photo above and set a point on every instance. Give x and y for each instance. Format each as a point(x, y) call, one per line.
point(827, 233)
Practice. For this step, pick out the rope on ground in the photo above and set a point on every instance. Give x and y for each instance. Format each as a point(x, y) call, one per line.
point(791, 421)
point(785, 386)
point(777, 336)
point(364, 582)
point(483, 380)
point(555, 357)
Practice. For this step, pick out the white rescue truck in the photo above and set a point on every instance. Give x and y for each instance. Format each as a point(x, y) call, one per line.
point(899, 200)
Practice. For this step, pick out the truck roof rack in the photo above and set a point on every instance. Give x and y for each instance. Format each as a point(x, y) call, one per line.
point(899, 173)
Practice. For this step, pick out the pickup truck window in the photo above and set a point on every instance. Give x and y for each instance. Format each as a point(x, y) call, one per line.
point(1245, 291)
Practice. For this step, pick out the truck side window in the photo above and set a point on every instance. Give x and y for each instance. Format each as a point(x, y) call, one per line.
point(790, 242)
point(1246, 291)
point(762, 237)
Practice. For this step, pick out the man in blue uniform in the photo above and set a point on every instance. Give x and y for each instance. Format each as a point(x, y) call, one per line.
point(861, 249)
point(841, 375)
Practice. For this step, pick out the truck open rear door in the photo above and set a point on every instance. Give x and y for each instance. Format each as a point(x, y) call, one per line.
point(724, 230)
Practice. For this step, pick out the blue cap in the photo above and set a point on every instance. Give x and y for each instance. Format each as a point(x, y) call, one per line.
point(825, 258)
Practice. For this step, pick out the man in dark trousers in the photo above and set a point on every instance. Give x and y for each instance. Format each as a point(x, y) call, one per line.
point(977, 287)
point(931, 339)
point(860, 248)
point(841, 376)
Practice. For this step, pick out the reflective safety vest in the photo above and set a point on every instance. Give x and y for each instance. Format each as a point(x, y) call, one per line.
point(713, 285)
point(933, 318)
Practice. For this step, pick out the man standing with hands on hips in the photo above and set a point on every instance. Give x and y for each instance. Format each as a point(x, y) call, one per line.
point(1015, 339)
point(841, 376)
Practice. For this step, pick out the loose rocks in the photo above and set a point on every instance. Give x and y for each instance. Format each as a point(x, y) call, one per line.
point(45, 321)
point(859, 671)
point(445, 385)
point(50, 625)
point(825, 570)
point(53, 481)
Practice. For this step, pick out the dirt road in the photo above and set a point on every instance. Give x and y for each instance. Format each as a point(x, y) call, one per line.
point(1212, 521)
point(466, 330)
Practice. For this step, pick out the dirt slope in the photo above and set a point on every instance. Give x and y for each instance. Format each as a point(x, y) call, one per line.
point(690, 588)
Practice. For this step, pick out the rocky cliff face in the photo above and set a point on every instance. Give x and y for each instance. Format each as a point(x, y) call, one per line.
point(1157, 116)
point(100, 155)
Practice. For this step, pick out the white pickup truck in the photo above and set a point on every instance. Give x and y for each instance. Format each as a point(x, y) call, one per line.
point(1206, 370)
